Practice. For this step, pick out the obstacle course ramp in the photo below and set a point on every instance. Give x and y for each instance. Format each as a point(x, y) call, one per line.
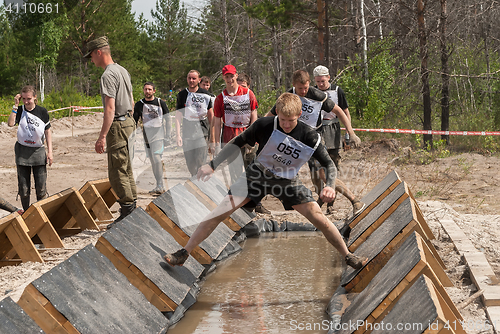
point(87, 294)
point(13, 320)
point(99, 197)
point(382, 243)
point(179, 212)
point(15, 244)
point(379, 213)
point(423, 310)
point(412, 259)
point(376, 195)
point(211, 193)
point(136, 247)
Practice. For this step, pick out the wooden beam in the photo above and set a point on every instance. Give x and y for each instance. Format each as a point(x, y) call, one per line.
point(17, 233)
point(44, 313)
point(182, 238)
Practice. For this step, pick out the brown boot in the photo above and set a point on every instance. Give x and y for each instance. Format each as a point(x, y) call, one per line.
point(178, 258)
point(355, 261)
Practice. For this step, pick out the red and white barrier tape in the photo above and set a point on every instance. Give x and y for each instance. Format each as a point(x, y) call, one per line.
point(432, 132)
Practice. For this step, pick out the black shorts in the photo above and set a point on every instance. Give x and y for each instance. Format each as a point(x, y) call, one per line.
point(255, 184)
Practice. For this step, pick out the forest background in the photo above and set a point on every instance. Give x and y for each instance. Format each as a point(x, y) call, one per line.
point(416, 64)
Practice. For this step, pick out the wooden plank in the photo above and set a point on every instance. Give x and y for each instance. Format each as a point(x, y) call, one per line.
point(76, 206)
point(187, 212)
point(95, 203)
point(33, 303)
point(421, 219)
point(200, 195)
point(20, 240)
point(39, 224)
point(123, 265)
point(393, 281)
point(167, 224)
point(376, 216)
point(14, 320)
point(420, 304)
point(376, 195)
point(106, 301)
point(140, 242)
point(182, 238)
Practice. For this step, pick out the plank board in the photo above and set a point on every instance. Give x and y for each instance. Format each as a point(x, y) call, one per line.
point(94, 202)
point(14, 240)
point(422, 310)
point(143, 242)
point(13, 320)
point(211, 193)
point(186, 212)
point(377, 194)
point(410, 260)
point(376, 216)
point(96, 298)
point(382, 243)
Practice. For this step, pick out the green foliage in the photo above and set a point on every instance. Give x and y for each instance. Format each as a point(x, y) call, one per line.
point(171, 36)
point(371, 103)
point(277, 13)
point(266, 100)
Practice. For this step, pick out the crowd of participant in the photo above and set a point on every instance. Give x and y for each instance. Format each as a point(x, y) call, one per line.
point(263, 154)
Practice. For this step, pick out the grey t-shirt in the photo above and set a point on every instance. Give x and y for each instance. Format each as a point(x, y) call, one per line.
point(115, 83)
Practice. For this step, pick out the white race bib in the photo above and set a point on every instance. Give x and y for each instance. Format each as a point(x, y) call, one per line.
point(311, 111)
point(283, 155)
point(237, 110)
point(196, 106)
point(152, 116)
point(31, 130)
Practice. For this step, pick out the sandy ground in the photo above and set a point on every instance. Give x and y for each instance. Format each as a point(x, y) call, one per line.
point(461, 186)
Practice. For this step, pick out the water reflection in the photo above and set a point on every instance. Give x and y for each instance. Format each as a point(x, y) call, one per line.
point(279, 283)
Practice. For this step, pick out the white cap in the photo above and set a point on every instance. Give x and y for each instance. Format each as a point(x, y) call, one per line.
point(320, 71)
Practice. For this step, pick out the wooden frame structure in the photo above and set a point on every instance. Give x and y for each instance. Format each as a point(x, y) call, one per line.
point(16, 242)
point(99, 197)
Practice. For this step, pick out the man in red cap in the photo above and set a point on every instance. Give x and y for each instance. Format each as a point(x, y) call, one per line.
point(234, 110)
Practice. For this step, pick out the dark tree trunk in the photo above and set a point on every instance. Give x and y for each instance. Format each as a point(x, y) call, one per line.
point(445, 76)
point(424, 73)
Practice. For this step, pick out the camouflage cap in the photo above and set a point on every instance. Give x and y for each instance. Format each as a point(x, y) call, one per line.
point(96, 44)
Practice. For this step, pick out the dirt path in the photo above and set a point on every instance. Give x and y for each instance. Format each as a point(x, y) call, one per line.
point(465, 186)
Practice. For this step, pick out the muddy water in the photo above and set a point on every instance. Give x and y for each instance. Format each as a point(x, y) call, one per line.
point(279, 283)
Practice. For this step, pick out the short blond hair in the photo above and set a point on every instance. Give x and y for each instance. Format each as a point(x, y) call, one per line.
point(301, 76)
point(288, 105)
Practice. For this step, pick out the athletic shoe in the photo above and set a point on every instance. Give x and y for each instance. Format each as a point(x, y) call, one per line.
point(261, 209)
point(357, 208)
point(157, 191)
point(355, 261)
point(178, 258)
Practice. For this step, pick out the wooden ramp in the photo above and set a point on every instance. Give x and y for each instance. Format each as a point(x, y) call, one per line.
point(65, 212)
point(382, 243)
point(373, 219)
point(211, 193)
point(423, 310)
point(136, 247)
point(409, 262)
point(87, 294)
point(376, 195)
point(179, 213)
point(16, 245)
point(14, 320)
point(99, 197)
